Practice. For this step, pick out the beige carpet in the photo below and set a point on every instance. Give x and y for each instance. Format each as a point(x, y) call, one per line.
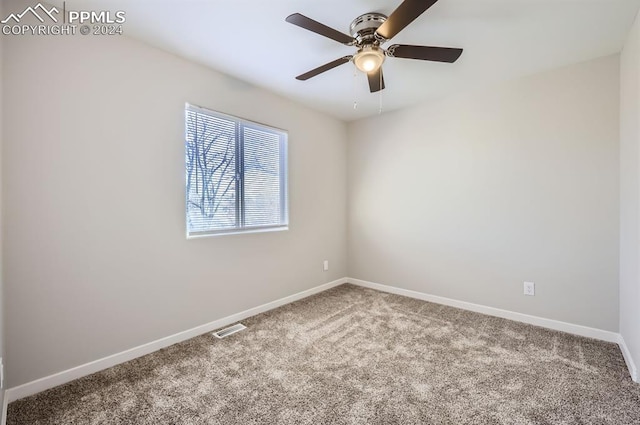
point(357, 356)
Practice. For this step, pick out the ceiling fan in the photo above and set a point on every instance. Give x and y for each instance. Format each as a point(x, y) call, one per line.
point(368, 33)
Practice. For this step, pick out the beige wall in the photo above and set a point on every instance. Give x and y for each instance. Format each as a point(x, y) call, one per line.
point(96, 260)
point(470, 196)
point(630, 193)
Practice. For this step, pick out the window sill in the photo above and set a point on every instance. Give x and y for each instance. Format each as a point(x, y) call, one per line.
point(246, 230)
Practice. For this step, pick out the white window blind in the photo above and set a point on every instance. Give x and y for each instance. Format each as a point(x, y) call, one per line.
point(236, 174)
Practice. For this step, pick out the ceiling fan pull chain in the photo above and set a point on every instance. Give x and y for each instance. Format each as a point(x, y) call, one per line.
point(353, 88)
point(380, 96)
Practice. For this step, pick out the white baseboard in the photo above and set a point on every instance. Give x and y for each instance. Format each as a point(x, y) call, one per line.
point(491, 311)
point(628, 359)
point(42, 384)
point(30, 388)
point(3, 407)
point(512, 315)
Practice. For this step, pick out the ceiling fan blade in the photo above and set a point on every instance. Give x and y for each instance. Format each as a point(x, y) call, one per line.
point(323, 68)
point(315, 26)
point(427, 53)
point(376, 81)
point(403, 16)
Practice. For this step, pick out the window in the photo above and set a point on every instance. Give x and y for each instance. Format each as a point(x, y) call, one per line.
point(236, 174)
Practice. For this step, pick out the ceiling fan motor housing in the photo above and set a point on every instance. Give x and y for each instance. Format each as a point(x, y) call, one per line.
point(363, 29)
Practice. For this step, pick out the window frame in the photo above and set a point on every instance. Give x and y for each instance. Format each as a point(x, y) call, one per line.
point(240, 124)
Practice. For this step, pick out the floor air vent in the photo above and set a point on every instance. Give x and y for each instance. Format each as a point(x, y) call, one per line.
point(230, 330)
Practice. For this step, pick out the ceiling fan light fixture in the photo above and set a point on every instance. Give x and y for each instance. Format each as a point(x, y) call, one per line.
point(368, 59)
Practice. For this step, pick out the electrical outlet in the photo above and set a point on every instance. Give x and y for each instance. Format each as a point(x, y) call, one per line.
point(529, 288)
point(325, 265)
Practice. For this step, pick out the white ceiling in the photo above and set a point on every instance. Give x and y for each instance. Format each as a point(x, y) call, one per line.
point(502, 39)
